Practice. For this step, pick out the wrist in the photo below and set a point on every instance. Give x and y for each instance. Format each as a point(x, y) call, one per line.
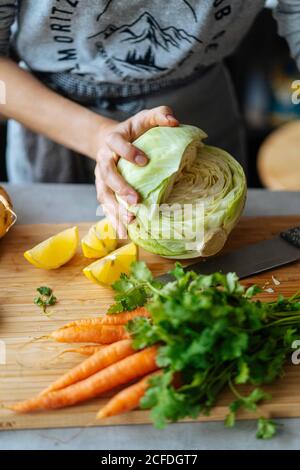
point(101, 127)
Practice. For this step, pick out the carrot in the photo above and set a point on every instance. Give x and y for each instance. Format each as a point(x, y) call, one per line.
point(126, 400)
point(110, 319)
point(122, 372)
point(124, 317)
point(84, 350)
point(98, 361)
point(129, 398)
point(103, 334)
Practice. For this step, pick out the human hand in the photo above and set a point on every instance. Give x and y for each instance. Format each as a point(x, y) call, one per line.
point(114, 143)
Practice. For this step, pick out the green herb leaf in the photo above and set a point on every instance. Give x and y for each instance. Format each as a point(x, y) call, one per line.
point(46, 299)
point(266, 428)
point(141, 272)
point(230, 420)
point(252, 291)
point(38, 301)
point(255, 397)
point(211, 333)
point(43, 290)
point(243, 373)
point(123, 284)
point(131, 291)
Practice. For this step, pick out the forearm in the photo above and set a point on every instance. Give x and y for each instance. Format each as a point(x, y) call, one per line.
point(46, 112)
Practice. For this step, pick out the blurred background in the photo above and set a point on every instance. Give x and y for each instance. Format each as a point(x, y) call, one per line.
point(262, 72)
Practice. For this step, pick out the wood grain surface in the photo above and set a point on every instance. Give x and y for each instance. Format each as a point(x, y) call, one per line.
point(32, 363)
point(278, 159)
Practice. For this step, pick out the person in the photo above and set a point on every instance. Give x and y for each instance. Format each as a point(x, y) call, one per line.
point(85, 78)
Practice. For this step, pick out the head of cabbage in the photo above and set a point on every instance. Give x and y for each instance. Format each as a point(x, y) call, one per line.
point(192, 194)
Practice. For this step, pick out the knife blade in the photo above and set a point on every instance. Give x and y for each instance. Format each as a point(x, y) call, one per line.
point(252, 259)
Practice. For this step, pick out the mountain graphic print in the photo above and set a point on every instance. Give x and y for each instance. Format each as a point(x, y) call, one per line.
point(143, 46)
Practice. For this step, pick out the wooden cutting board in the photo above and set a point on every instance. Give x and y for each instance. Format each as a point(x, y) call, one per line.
point(31, 365)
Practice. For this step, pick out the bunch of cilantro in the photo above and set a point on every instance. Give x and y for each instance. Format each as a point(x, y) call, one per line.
point(211, 334)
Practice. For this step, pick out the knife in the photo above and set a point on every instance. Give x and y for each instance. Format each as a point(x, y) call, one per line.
point(252, 259)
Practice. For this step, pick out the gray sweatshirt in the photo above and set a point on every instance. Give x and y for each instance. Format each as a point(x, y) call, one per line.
point(133, 47)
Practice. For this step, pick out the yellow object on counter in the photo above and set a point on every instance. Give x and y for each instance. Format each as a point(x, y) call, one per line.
point(108, 269)
point(7, 215)
point(55, 251)
point(100, 240)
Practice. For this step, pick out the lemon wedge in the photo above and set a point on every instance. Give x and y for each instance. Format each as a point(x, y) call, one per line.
point(100, 240)
point(108, 269)
point(55, 251)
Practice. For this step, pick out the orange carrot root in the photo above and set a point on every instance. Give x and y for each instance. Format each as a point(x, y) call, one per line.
point(84, 350)
point(126, 400)
point(102, 334)
point(122, 372)
point(98, 361)
point(110, 319)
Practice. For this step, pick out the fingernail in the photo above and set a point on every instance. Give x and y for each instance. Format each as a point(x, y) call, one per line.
point(171, 118)
point(140, 159)
point(131, 199)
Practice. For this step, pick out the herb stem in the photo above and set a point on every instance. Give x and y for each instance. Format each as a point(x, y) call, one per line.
point(234, 390)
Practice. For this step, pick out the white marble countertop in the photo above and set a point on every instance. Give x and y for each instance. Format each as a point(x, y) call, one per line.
point(42, 203)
